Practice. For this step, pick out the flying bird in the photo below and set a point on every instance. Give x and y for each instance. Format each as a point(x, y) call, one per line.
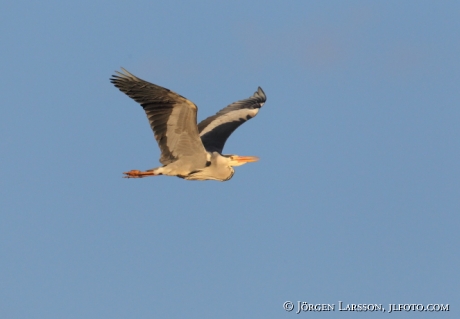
point(188, 150)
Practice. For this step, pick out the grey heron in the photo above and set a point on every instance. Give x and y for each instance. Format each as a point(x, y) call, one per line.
point(188, 150)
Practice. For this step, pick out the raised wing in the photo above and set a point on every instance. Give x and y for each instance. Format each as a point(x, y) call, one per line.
point(215, 130)
point(172, 117)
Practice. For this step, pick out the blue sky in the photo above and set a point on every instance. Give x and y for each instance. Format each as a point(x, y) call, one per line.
point(355, 198)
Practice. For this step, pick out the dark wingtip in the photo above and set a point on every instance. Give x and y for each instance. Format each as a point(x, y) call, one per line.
point(115, 77)
point(121, 75)
point(260, 94)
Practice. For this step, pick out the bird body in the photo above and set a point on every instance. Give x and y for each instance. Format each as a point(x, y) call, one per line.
point(188, 150)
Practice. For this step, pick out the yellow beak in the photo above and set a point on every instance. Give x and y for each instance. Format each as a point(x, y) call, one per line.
point(245, 159)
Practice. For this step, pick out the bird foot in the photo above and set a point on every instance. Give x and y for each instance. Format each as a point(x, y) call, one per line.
point(134, 173)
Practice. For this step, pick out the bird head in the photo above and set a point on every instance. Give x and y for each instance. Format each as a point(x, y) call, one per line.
point(220, 167)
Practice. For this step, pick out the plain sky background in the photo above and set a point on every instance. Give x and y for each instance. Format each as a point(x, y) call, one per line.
point(356, 197)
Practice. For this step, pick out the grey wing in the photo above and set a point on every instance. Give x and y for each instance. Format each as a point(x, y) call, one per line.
point(172, 117)
point(215, 130)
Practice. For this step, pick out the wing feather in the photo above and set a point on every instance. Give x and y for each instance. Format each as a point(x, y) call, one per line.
point(171, 116)
point(215, 130)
